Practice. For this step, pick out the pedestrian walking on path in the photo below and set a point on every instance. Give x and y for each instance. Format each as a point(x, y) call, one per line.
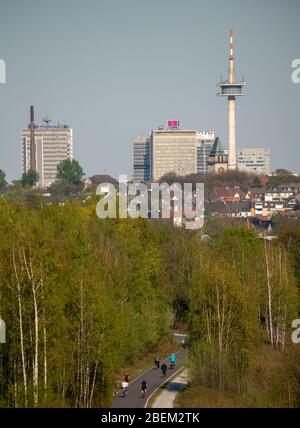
point(164, 369)
point(157, 362)
point(144, 388)
point(172, 361)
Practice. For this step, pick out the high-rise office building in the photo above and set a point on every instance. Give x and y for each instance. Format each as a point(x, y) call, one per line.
point(142, 159)
point(173, 150)
point(256, 161)
point(205, 142)
point(52, 144)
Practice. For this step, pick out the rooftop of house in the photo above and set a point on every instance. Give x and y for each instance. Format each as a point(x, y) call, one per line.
point(257, 191)
point(289, 185)
point(222, 192)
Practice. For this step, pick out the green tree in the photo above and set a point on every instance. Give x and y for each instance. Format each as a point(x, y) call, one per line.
point(256, 182)
point(69, 170)
point(223, 323)
point(289, 235)
point(29, 178)
point(82, 298)
point(279, 293)
point(2, 178)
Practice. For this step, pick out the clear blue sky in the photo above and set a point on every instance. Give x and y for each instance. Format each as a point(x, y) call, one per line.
point(113, 69)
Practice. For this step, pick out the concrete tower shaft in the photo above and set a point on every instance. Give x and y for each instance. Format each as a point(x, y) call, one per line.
point(231, 134)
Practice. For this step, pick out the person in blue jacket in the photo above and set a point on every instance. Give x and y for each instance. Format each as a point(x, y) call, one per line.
point(172, 360)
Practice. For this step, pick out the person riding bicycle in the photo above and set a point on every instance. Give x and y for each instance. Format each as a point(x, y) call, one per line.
point(172, 360)
point(164, 369)
point(144, 388)
point(124, 388)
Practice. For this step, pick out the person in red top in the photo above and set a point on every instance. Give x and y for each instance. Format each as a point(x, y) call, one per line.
point(126, 377)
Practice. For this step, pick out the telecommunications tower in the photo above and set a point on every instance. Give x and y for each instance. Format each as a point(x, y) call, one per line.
point(231, 89)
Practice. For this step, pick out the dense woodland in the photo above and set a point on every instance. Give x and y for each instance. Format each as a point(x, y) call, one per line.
point(243, 297)
point(82, 297)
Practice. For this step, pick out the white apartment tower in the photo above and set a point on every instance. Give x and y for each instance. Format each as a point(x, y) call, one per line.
point(52, 144)
point(255, 161)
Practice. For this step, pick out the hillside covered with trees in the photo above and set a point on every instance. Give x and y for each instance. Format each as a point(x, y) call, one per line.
point(84, 297)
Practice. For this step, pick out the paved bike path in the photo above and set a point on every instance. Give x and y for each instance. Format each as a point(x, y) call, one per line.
point(154, 380)
point(167, 396)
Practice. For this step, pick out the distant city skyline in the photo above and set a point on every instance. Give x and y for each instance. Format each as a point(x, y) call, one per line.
point(114, 69)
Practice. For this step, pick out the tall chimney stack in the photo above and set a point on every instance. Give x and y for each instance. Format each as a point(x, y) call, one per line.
point(32, 141)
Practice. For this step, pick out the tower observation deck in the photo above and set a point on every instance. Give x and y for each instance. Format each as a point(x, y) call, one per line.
point(231, 89)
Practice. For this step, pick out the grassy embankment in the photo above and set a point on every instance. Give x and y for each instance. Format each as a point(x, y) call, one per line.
point(265, 383)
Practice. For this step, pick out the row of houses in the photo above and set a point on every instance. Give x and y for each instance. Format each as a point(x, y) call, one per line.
point(259, 204)
point(255, 202)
